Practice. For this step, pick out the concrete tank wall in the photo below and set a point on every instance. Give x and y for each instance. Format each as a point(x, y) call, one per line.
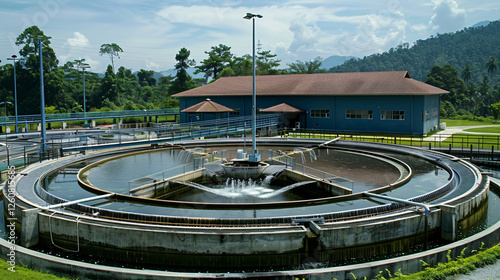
point(203, 247)
point(407, 264)
point(370, 232)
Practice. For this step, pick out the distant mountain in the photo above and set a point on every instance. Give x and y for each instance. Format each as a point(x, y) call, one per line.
point(471, 46)
point(334, 60)
point(173, 72)
point(481, 23)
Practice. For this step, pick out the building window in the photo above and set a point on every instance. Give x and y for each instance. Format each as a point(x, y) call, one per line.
point(359, 114)
point(320, 113)
point(392, 115)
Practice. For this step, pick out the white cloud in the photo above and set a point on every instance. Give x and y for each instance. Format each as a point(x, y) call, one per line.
point(153, 65)
point(304, 34)
point(376, 33)
point(447, 16)
point(152, 32)
point(208, 16)
point(78, 41)
point(420, 28)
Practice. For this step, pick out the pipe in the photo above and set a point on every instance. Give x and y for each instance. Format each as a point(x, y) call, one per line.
point(426, 207)
point(78, 201)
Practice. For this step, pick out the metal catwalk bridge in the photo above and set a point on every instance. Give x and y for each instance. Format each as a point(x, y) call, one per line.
point(111, 138)
point(24, 148)
point(10, 120)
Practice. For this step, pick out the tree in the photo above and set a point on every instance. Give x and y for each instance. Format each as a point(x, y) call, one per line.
point(491, 65)
point(112, 50)
point(219, 57)
point(29, 40)
point(109, 88)
point(495, 109)
point(447, 109)
point(146, 77)
point(306, 67)
point(242, 66)
point(446, 78)
point(265, 62)
point(182, 80)
point(227, 72)
point(466, 73)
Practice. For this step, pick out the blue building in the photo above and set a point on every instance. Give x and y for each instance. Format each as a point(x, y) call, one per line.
point(373, 102)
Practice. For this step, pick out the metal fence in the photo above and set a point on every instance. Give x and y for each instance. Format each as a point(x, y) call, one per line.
point(466, 145)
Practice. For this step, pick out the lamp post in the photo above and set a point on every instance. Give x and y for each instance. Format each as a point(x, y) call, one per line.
point(254, 157)
point(15, 59)
point(83, 66)
point(42, 94)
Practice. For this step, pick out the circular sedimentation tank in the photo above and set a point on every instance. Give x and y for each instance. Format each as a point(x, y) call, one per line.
point(317, 212)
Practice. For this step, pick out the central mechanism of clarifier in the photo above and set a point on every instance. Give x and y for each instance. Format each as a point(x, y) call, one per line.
point(243, 168)
point(205, 234)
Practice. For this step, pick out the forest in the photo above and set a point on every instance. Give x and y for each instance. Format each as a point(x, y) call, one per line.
point(464, 63)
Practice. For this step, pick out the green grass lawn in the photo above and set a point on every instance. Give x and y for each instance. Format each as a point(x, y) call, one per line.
point(494, 129)
point(450, 122)
point(22, 273)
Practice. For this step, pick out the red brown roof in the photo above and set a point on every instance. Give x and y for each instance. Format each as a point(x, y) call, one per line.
point(358, 83)
point(207, 106)
point(282, 108)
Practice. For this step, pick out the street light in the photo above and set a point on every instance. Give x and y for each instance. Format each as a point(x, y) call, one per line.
point(83, 66)
point(42, 94)
point(254, 157)
point(15, 59)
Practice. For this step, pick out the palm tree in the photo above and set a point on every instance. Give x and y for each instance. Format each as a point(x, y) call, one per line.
point(491, 65)
point(466, 73)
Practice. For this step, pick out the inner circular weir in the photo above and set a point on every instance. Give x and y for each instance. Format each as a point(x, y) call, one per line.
point(218, 185)
point(204, 208)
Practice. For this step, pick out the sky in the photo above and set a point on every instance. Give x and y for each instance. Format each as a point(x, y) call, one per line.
point(152, 32)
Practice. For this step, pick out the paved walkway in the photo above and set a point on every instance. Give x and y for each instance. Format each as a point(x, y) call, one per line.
point(488, 272)
point(444, 134)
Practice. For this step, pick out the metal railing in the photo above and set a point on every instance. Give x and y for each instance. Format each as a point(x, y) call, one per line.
point(466, 145)
point(170, 133)
point(88, 115)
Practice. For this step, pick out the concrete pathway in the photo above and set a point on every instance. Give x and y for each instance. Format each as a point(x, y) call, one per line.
point(444, 134)
point(488, 272)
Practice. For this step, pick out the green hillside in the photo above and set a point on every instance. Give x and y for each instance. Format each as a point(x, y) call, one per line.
point(472, 46)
